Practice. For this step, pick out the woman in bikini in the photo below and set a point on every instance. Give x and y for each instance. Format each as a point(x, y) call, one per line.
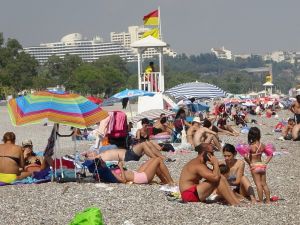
point(145, 173)
point(257, 166)
point(143, 135)
point(234, 172)
point(32, 162)
point(11, 159)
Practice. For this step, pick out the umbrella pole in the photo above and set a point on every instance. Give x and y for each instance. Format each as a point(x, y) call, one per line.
point(130, 109)
point(55, 139)
point(76, 155)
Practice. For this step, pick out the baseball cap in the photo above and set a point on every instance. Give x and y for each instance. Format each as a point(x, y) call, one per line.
point(197, 120)
point(26, 142)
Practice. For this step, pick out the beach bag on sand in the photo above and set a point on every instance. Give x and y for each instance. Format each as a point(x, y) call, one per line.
point(90, 216)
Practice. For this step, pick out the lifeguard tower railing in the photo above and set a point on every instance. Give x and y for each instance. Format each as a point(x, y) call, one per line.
point(152, 82)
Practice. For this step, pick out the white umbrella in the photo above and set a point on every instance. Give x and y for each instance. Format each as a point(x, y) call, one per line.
point(151, 114)
point(195, 90)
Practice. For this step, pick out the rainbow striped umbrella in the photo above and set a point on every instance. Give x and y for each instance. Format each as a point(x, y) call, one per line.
point(58, 107)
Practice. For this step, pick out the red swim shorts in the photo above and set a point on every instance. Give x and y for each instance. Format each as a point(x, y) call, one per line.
point(190, 195)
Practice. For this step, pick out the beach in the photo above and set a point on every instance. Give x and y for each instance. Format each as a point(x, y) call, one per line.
point(55, 203)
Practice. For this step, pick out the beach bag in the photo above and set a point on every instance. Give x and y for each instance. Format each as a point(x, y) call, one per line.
point(90, 216)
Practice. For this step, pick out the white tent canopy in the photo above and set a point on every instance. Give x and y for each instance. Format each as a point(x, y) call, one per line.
point(196, 90)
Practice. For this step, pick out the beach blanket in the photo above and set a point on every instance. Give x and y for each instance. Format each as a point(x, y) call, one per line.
point(42, 176)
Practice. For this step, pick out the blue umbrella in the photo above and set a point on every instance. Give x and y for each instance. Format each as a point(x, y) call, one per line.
point(132, 93)
point(127, 93)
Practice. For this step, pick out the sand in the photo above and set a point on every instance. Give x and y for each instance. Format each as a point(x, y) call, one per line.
point(54, 203)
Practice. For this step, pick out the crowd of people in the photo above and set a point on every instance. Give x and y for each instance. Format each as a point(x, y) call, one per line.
point(200, 178)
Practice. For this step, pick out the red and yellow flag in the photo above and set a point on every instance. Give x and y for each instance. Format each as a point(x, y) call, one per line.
point(151, 18)
point(154, 33)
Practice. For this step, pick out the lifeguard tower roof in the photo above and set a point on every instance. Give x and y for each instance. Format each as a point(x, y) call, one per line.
point(149, 42)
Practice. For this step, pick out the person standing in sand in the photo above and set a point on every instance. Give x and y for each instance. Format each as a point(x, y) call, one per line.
point(257, 166)
point(192, 190)
point(295, 108)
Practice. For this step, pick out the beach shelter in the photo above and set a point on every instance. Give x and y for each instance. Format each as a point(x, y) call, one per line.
point(195, 90)
point(58, 107)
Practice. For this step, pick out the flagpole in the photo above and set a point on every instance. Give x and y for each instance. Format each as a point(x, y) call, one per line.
point(159, 20)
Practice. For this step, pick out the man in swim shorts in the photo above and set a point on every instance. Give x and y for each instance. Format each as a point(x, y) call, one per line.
point(295, 108)
point(192, 190)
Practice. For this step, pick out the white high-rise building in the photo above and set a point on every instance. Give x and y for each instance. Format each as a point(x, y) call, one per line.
point(222, 53)
point(134, 34)
point(75, 44)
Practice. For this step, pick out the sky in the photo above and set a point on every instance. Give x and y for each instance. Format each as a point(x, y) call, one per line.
point(189, 26)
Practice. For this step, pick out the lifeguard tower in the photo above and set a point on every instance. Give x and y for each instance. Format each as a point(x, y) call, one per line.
point(154, 81)
point(269, 85)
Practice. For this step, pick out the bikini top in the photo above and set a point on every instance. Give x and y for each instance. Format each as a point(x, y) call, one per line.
point(258, 147)
point(17, 160)
point(37, 162)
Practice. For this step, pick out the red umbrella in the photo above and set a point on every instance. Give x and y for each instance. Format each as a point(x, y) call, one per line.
point(95, 100)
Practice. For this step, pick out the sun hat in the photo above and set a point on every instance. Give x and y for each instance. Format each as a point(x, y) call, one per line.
point(197, 120)
point(26, 142)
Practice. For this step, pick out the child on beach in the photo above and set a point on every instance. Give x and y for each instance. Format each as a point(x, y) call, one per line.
point(257, 166)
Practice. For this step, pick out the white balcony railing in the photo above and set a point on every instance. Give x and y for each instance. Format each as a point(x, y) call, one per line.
point(151, 82)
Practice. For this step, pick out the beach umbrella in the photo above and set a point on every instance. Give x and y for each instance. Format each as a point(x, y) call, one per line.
point(195, 90)
point(127, 93)
point(248, 104)
point(95, 100)
point(58, 107)
point(152, 114)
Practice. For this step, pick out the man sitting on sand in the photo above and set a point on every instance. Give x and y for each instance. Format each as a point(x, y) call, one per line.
point(192, 190)
point(205, 135)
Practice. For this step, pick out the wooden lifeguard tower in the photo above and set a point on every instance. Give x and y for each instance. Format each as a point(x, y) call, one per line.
point(154, 81)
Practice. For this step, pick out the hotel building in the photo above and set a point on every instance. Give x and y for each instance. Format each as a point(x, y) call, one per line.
point(75, 44)
point(134, 34)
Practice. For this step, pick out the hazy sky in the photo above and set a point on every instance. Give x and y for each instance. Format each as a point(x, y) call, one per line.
point(190, 26)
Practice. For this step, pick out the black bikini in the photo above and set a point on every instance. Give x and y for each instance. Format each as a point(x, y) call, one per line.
point(17, 160)
point(37, 161)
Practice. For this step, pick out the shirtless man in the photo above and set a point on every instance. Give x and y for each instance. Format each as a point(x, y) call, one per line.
point(191, 131)
point(127, 155)
point(192, 190)
point(205, 135)
point(295, 108)
point(162, 126)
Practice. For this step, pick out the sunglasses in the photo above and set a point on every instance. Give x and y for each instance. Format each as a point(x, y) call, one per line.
point(27, 146)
